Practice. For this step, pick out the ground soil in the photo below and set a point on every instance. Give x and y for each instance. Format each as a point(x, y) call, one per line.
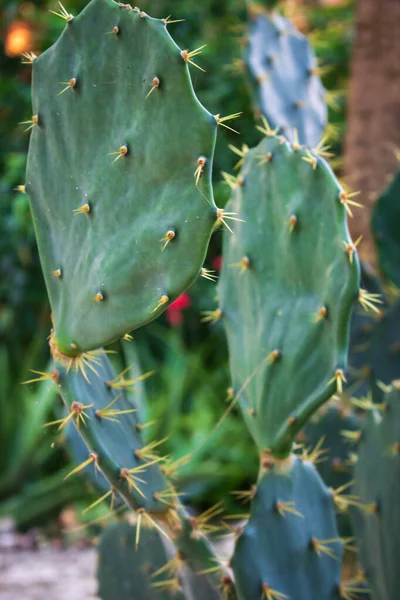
point(48, 574)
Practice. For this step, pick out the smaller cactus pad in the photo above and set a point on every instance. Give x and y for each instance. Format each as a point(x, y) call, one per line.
point(290, 547)
point(377, 484)
point(385, 350)
point(284, 78)
point(155, 570)
point(124, 573)
point(385, 224)
point(97, 404)
point(78, 451)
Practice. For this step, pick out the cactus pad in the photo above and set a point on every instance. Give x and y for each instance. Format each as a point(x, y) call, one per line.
point(124, 573)
point(284, 78)
point(156, 571)
point(385, 224)
point(385, 350)
point(286, 309)
point(377, 483)
point(290, 547)
point(111, 432)
point(78, 451)
point(119, 174)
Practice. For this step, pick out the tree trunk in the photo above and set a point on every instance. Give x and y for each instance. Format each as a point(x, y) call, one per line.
point(373, 132)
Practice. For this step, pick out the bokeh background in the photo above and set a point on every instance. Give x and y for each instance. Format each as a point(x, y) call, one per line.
point(357, 45)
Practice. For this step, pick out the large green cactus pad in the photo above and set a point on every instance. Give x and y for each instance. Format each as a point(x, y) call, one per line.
point(123, 141)
point(377, 484)
point(286, 309)
point(284, 78)
point(385, 224)
point(290, 546)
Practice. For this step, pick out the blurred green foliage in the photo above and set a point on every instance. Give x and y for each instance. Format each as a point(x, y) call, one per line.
point(188, 392)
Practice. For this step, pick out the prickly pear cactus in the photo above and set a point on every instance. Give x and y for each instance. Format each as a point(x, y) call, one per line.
point(119, 173)
point(385, 224)
point(289, 281)
point(377, 484)
point(290, 547)
point(284, 78)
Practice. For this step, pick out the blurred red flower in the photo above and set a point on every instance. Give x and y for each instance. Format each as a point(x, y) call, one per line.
point(174, 312)
point(217, 262)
